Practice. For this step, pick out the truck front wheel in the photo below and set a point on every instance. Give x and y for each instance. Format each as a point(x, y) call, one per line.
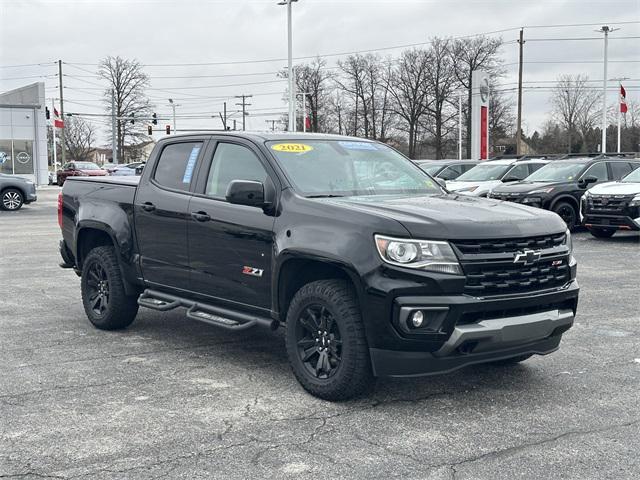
point(105, 302)
point(326, 342)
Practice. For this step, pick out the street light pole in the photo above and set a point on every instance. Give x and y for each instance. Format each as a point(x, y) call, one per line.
point(292, 98)
point(606, 30)
point(173, 107)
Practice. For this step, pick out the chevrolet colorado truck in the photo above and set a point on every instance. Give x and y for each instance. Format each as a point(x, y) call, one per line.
point(371, 266)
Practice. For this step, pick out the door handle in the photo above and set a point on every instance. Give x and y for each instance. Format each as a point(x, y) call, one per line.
point(201, 216)
point(148, 207)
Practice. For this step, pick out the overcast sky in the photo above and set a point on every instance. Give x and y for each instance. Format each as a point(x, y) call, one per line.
point(188, 31)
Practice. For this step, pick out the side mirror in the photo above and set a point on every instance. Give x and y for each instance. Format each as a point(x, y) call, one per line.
point(587, 180)
point(441, 181)
point(246, 192)
point(510, 179)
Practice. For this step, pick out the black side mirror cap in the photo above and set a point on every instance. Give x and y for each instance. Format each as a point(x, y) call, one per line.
point(588, 180)
point(510, 179)
point(246, 192)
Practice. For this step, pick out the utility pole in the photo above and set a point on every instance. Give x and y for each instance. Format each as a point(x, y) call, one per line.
point(459, 125)
point(244, 104)
point(61, 110)
point(114, 140)
point(519, 127)
point(53, 134)
point(606, 30)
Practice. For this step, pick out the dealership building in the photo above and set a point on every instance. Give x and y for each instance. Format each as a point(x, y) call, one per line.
point(23, 133)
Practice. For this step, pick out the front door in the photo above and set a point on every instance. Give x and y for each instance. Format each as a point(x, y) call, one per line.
point(161, 212)
point(230, 246)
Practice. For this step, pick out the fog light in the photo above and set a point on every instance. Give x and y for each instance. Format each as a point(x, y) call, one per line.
point(417, 318)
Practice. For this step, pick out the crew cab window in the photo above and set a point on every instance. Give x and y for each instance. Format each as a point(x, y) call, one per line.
point(232, 162)
point(518, 172)
point(176, 165)
point(620, 169)
point(598, 170)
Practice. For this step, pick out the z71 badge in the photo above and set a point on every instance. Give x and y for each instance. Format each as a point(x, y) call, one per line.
point(255, 272)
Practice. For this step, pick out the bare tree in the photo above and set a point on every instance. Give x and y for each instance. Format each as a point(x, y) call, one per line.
point(408, 87)
point(575, 106)
point(469, 54)
point(441, 81)
point(501, 117)
point(79, 138)
point(128, 82)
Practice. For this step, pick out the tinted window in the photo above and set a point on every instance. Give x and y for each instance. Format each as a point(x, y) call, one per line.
point(451, 172)
point(518, 172)
point(535, 166)
point(232, 162)
point(176, 165)
point(598, 170)
point(620, 169)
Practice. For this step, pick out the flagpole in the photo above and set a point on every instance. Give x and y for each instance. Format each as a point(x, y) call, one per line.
point(619, 116)
point(53, 132)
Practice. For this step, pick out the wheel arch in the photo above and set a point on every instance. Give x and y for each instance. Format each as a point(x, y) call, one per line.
point(298, 270)
point(568, 199)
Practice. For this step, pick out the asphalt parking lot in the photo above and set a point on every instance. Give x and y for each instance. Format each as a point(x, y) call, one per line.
point(173, 398)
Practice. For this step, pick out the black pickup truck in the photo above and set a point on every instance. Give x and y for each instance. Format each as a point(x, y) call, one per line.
point(372, 267)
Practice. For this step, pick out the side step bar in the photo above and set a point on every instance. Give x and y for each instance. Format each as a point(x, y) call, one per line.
point(203, 312)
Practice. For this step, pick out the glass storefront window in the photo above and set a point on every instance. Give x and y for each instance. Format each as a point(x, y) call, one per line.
point(22, 156)
point(6, 158)
point(16, 157)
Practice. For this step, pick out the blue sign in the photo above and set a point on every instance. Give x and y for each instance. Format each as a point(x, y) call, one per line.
point(358, 145)
point(188, 171)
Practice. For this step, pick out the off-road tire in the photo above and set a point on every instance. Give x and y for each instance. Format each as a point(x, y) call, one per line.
point(121, 309)
point(353, 375)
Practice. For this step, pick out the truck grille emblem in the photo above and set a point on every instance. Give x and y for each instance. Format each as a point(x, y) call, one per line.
point(527, 257)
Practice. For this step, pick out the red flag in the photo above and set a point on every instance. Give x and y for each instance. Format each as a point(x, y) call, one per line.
point(623, 100)
point(57, 122)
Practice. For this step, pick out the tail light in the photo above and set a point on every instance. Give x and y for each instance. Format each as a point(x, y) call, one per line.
point(60, 210)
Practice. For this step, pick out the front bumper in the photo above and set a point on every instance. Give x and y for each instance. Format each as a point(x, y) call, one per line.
point(31, 195)
point(483, 330)
point(619, 222)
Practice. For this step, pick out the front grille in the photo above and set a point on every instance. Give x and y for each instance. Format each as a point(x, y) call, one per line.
point(506, 277)
point(614, 204)
point(511, 245)
point(475, 317)
point(509, 197)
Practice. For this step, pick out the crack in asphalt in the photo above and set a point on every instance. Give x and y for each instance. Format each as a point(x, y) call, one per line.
point(517, 448)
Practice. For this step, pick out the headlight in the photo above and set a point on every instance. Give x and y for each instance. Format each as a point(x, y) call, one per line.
point(434, 256)
point(568, 241)
point(542, 190)
point(635, 201)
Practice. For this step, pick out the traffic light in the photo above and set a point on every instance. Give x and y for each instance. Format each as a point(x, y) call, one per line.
point(150, 130)
point(167, 129)
point(47, 114)
point(133, 120)
point(155, 119)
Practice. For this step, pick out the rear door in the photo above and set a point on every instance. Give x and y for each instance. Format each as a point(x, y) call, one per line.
point(230, 246)
point(161, 210)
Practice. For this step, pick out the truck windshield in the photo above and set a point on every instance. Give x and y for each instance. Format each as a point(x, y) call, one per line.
point(633, 177)
point(559, 171)
point(328, 168)
point(484, 172)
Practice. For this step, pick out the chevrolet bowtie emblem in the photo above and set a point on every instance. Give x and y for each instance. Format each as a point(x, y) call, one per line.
point(527, 257)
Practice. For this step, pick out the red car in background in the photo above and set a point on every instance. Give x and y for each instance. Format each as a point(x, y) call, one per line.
point(79, 169)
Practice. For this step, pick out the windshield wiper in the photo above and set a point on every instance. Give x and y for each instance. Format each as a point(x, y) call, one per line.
point(325, 195)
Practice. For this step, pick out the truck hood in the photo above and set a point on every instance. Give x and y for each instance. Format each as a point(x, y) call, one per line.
point(615, 188)
point(481, 187)
point(452, 216)
point(524, 187)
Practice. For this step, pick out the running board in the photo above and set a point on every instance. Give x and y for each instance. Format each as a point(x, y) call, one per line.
point(203, 312)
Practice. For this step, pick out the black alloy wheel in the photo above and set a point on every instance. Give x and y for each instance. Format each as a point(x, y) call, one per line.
point(98, 288)
point(567, 213)
point(319, 343)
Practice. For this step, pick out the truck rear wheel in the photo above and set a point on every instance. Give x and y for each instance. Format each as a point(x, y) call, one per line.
point(326, 341)
point(105, 302)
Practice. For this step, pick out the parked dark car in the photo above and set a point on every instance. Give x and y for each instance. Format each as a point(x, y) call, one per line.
point(559, 185)
point(15, 192)
point(612, 206)
point(79, 169)
point(372, 267)
point(446, 169)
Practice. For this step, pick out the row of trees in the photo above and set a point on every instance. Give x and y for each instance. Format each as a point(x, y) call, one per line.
point(410, 101)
